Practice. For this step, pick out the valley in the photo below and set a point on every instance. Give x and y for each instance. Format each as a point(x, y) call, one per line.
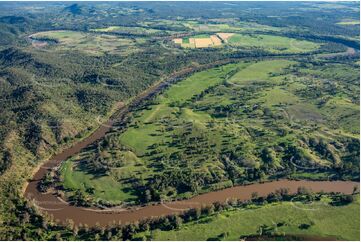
point(154, 121)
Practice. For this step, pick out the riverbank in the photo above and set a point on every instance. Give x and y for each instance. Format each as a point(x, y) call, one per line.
point(61, 212)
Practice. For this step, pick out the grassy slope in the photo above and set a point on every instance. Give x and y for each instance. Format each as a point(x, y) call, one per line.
point(105, 187)
point(341, 222)
point(140, 138)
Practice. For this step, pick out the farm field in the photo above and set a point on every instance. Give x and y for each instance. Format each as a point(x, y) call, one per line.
point(274, 44)
point(199, 41)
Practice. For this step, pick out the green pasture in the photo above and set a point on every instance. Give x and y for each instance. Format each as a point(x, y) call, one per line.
point(285, 218)
point(273, 43)
point(105, 187)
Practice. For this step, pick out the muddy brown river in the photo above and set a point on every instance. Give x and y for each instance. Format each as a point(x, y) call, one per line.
point(61, 211)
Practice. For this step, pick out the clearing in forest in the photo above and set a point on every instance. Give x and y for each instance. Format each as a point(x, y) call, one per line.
point(89, 43)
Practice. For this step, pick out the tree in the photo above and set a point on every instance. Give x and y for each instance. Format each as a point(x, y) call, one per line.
point(128, 231)
point(175, 221)
point(147, 196)
point(58, 236)
point(75, 231)
point(302, 191)
point(109, 235)
point(178, 222)
point(70, 224)
point(208, 210)
point(254, 196)
point(354, 190)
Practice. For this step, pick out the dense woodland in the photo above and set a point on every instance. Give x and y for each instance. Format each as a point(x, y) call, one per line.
point(53, 96)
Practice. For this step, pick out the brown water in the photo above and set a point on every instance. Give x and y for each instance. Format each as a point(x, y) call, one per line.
point(61, 211)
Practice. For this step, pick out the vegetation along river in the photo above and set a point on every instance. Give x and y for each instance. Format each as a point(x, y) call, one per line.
point(61, 211)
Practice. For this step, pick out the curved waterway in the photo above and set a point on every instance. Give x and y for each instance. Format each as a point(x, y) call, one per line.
point(62, 211)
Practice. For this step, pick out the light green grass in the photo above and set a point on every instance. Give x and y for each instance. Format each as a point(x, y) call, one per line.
point(141, 137)
point(259, 71)
point(272, 43)
point(344, 112)
point(201, 36)
point(278, 96)
point(351, 22)
point(105, 187)
point(342, 222)
point(195, 84)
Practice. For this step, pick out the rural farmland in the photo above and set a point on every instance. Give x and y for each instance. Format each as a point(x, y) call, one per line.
point(179, 121)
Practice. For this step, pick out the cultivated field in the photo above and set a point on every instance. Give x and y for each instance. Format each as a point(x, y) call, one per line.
point(200, 41)
point(225, 36)
point(275, 44)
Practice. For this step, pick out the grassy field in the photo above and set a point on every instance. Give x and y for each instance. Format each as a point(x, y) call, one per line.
point(105, 187)
point(199, 41)
point(341, 222)
point(89, 43)
point(272, 43)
